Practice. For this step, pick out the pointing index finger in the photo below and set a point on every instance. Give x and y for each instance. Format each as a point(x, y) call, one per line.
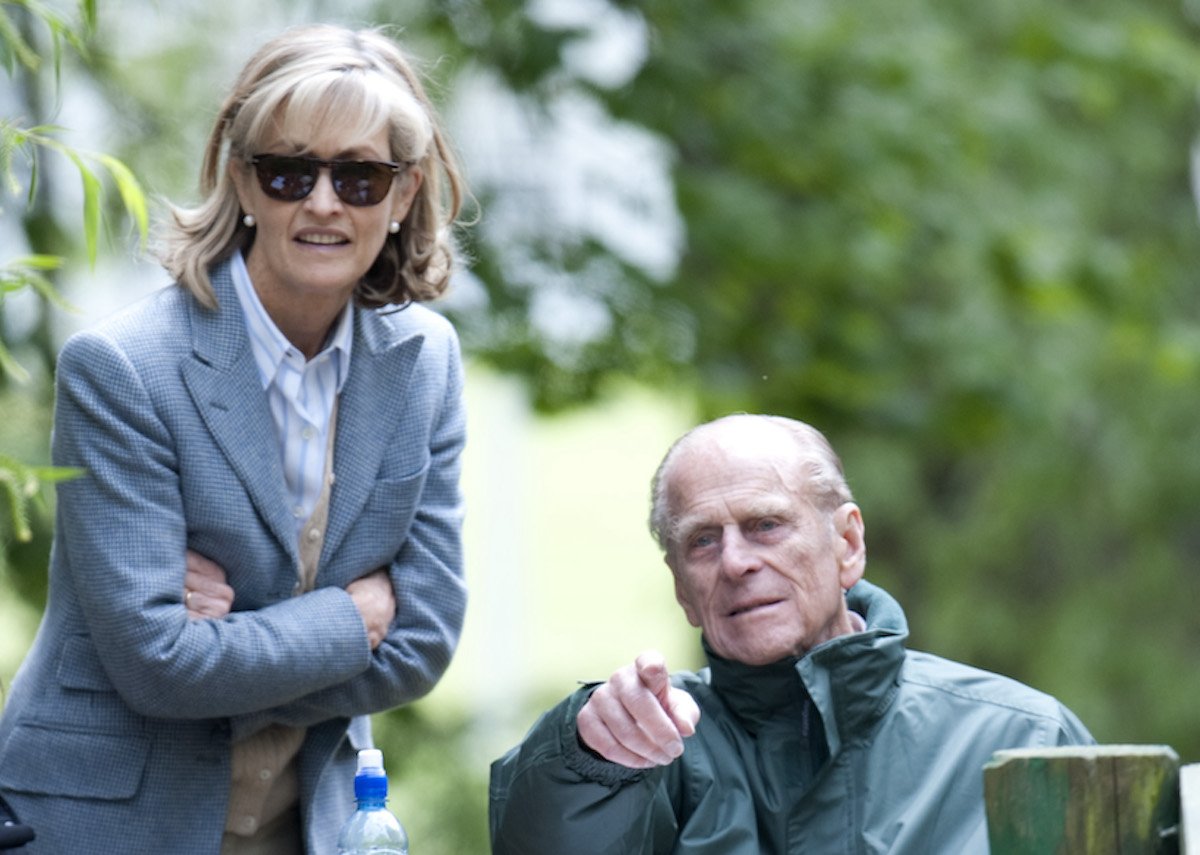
point(678, 704)
point(652, 671)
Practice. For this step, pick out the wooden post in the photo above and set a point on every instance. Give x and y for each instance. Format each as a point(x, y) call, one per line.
point(1189, 809)
point(1083, 799)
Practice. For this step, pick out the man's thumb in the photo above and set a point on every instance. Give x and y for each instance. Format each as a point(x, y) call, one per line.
point(683, 711)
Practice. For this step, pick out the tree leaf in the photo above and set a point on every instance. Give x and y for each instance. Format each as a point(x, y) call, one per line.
point(55, 474)
point(88, 10)
point(37, 262)
point(21, 484)
point(18, 50)
point(52, 295)
point(131, 193)
point(10, 366)
point(92, 193)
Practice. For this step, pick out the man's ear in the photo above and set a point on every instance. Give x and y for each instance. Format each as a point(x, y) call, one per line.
point(850, 544)
point(681, 596)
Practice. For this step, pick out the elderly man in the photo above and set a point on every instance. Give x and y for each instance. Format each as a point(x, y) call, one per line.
point(812, 730)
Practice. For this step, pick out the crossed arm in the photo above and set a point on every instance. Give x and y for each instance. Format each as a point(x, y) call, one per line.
point(208, 596)
point(636, 718)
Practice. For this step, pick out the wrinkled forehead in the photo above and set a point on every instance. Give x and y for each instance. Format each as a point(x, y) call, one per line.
point(714, 490)
point(703, 498)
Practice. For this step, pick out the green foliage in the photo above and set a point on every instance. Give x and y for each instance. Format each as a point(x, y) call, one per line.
point(16, 275)
point(961, 240)
point(20, 483)
point(30, 140)
point(15, 49)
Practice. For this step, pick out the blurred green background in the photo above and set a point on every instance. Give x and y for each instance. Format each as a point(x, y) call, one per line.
point(960, 238)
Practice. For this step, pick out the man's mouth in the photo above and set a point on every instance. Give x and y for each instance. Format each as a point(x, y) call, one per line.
point(745, 608)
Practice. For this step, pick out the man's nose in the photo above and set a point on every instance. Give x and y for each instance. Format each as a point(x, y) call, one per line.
point(738, 555)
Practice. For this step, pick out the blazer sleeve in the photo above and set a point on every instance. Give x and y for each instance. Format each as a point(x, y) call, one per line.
point(122, 530)
point(427, 577)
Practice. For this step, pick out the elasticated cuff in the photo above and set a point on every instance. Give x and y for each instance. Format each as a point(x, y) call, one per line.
point(583, 761)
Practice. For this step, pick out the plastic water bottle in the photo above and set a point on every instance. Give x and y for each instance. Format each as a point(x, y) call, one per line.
point(372, 829)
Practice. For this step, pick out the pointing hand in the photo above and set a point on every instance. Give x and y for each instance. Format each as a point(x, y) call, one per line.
point(637, 718)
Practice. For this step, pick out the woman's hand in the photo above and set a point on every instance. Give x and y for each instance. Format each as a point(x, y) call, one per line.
point(205, 593)
point(376, 603)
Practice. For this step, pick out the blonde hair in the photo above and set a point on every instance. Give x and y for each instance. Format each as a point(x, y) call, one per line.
point(326, 76)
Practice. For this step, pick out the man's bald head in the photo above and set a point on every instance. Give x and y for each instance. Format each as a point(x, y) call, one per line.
point(813, 460)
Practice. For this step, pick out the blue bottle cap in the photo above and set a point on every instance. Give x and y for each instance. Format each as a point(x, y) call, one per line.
point(370, 785)
point(371, 781)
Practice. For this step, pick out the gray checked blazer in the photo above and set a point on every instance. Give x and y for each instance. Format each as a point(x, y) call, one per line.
point(117, 729)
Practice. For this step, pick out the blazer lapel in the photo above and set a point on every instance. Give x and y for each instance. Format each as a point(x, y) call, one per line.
point(225, 387)
point(370, 411)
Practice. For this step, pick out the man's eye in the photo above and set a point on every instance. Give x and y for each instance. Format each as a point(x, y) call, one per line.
point(700, 541)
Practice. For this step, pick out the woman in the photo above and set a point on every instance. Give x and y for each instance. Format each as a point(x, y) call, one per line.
point(264, 547)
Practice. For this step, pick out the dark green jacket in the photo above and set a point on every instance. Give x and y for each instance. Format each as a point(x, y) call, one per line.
point(861, 746)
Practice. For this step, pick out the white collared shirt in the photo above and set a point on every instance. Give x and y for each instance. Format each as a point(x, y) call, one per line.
point(301, 393)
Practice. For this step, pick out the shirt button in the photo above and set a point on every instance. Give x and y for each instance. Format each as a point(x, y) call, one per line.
point(249, 824)
point(314, 534)
point(264, 774)
point(298, 512)
point(308, 433)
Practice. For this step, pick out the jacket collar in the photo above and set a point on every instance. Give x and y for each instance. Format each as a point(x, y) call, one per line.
point(372, 410)
point(225, 387)
point(757, 693)
point(850, 679)
point(225, 384)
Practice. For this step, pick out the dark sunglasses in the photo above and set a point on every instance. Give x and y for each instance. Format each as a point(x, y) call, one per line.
point(289, 178)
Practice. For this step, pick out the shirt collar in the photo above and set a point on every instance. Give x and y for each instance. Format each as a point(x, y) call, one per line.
point(269, 345)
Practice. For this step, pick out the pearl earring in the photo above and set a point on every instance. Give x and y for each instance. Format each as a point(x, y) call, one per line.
point(248, 221)
point(394, 227)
